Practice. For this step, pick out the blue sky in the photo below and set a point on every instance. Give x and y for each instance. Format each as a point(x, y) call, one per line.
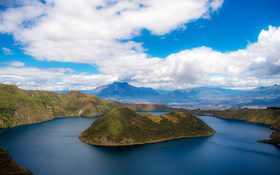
point(231, 28)
point(149, 47)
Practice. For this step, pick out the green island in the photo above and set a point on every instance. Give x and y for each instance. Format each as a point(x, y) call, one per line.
point(9, 167)
point(123, 126)
point(269, 117)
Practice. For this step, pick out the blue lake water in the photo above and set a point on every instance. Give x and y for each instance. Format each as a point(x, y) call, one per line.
point(53, 148)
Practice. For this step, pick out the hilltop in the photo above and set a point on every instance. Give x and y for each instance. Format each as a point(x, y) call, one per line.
point(123, 126)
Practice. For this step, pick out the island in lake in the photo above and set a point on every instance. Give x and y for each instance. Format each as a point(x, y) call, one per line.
point(123, 126)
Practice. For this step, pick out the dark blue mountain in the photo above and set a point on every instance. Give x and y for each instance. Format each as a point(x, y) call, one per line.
point(204, 93)
point(270, 90)
point(125, 90)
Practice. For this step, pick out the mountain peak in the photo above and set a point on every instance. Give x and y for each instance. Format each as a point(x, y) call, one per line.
point(123, 89)
point(120, 83)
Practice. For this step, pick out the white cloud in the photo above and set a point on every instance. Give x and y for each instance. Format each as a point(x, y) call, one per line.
point(51, 79)
point(16, 19)
point(64, 32)
point(16, 64)
point(256, 65)
point(92, 31)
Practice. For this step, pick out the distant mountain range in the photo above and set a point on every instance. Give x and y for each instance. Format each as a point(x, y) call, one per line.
point(201, 97)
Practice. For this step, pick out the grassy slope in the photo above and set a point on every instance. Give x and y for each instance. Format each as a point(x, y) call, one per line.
point(19, 106)
point(9, 166)
point(123, 126)
point(270, 117)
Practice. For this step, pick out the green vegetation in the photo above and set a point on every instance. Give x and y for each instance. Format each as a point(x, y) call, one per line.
point(19, 106)
point(270, 117)
point(6, 113)
point(123, 126)
point(9, 166)
point(152, 107)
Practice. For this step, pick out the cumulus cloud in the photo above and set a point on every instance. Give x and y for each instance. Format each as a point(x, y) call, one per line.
point(51, 79)
point(64, 32)
point(256, 65)
point(99, 32)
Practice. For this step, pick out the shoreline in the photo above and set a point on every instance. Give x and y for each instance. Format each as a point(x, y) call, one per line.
point(266, 141)
point(55, 118)
point(148, 142)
